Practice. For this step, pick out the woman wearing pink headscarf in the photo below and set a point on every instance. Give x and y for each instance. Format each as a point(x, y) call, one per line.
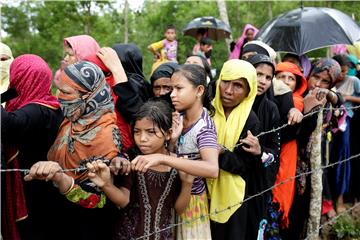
point(248, 35)
point(76, 48)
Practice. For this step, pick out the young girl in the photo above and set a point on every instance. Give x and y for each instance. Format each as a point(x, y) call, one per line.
point(148, 198)
point(195, 137)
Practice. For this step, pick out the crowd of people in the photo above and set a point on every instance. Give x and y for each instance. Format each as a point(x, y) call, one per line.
point(114, 156)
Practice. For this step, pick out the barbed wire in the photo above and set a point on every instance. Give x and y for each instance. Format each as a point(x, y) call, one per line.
point(332, 220)
point(84, 168)
point(248, 198)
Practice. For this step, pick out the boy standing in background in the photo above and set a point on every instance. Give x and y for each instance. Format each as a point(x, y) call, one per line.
point(166, 49)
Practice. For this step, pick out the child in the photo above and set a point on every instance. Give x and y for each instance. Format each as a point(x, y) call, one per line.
point(166, 49)
point(205, 49)
point(149, 197)
point(194, 135)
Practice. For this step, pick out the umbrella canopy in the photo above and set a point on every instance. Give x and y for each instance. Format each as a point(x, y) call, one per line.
point(216, 29)
point(304, 29)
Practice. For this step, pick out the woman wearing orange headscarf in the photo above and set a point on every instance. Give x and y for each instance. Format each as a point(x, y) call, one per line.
point(291, 75)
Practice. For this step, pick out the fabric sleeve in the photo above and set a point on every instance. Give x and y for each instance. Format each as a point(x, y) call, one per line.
point(157, 45)
point(356, 87)
point(131, 96)
point(125, 181)
point(85, 198)
point(207, 138)
point(239, 161)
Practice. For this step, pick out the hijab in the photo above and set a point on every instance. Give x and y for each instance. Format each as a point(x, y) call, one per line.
point(82, 45)
point(94, 134)
point(31, 77)
point(228, 134)
point(5, 66)
point(236, 53)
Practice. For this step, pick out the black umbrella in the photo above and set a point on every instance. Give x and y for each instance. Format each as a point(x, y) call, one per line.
point(304, 29)
point(216, 29)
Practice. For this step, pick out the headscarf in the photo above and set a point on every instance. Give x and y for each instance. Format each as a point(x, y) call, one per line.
point(5, 66)
point(260, 48)
point(236, 53)
point(94, 134)
point(131, 58)
point(354, 61)
point(329, 65)
point(31, 77)
point(124, 127)
point(82, 45)
point(300, 89)
point(165, 70)
point(228, 134)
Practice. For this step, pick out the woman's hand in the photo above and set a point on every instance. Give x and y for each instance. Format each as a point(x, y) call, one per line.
point(311, 100)
point(120, 164)
point(45, 170)
point(99, 173)
point(294, 116)
point(111, 60)
point(253, 143)
point(143, 162)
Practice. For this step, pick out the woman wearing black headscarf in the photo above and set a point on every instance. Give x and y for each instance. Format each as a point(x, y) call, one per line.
point(132, 89)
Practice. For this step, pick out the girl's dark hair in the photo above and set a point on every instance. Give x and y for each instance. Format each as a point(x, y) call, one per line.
point(158, 111)
point(197, 76)
point(342, 59)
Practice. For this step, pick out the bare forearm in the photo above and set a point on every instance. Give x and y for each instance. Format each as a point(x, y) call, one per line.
point(63, 181)
point(119, 196)
point(200, 168)
point(120, 76)
point(352, 99)
point(184, 197)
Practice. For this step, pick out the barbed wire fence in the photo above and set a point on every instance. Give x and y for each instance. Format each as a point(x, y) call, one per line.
point(83, 168)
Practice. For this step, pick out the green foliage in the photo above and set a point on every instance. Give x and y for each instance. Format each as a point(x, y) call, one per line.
point(39, 27)
point(347, 228)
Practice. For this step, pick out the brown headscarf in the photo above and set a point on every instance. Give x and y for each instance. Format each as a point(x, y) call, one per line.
point(94, 134)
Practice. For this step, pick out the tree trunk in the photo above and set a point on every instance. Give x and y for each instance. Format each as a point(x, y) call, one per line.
point(316, 182)
point(126, 27)
point(270, 12)
point(224, 17)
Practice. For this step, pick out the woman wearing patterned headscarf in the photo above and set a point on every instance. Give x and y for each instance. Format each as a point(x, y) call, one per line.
point(322, 78)
point(88, 133)
point(29, 124)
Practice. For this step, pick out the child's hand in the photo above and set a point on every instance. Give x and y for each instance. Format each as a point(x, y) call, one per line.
point(143, 162)
point(294, 116)
point(44, 170)
point(253, 145)
point(99, 173)
point(177, 126)
point(186, 178)
point(120, 164)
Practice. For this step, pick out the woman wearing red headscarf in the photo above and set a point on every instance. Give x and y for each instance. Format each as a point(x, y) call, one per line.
point(29, 124)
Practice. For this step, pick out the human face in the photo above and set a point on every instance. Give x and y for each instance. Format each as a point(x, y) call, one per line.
point(71, 100)
point(161, 86)
point(264, 77)
point(288, 78)
point(344, 72)
point(249, 35)
point(184, 93)
point(204, 47)
point(293, 61)
point(149, 138)
point(320, 80)
point(69, 55)
point(194, 60)
point(232, 93)
point(170, 34)
point(247, 55)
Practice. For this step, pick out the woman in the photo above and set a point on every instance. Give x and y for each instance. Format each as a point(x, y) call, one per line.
point(248, 34)
point(240, 159)
point(29, 124)
point(131, 87)
point(88, 133)
point(321, 80)
point(291, 75)
point(76, 48)
point(6, 59)
point(160, 79)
